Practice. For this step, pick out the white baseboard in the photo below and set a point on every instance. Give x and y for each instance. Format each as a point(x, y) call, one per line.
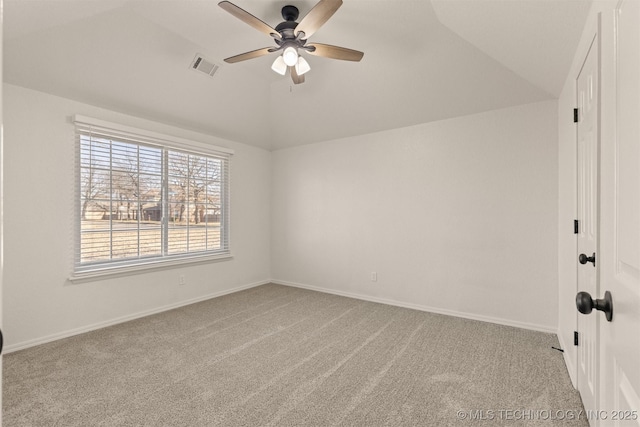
point(65, 334)
point(471, 316)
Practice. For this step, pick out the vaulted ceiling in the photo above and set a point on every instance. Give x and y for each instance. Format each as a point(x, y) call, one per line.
point(424, 61)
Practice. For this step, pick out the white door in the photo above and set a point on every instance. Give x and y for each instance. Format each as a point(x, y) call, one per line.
point(620, 223)
point(587, 180)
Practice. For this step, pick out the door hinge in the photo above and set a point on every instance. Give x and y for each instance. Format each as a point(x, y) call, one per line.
point(576, 226)
point(575, 338)
point(575, 115)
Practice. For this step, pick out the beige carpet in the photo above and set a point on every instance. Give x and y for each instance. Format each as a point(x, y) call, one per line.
point(281, 356)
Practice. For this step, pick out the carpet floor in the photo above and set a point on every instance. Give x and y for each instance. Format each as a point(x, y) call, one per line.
point(281, 356)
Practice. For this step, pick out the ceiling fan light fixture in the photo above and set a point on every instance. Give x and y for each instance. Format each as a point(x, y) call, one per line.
point(279, 66)
point(302, 66)
point(290, 56)
point(290, 36)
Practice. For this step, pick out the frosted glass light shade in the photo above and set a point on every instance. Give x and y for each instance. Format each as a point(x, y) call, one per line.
point(302, 66)
point(290, 56)
point(279, 66)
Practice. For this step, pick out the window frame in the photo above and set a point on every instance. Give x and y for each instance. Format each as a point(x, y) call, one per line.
point(145, 138)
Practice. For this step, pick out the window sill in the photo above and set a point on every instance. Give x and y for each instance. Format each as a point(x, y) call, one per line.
point(114, 272)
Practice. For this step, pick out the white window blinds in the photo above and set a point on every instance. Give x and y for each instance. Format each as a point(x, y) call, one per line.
point(145, 198)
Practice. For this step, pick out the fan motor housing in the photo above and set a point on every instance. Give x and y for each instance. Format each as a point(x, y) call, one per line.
point(286, 25)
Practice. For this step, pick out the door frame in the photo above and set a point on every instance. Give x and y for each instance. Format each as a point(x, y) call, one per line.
point(1, 194)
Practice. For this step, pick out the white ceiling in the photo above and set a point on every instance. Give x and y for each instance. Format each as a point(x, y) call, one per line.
point(424, 61)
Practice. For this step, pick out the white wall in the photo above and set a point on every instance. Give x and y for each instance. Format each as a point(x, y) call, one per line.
point(39, 302)
point(457, 216)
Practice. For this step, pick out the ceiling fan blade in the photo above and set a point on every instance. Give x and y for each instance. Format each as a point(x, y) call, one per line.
point(250, 55)
point(334, 52)
point(295, 77)
point(248, 18)
point(317, 16)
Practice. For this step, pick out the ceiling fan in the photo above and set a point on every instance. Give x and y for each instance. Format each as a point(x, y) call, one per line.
point(291, 37)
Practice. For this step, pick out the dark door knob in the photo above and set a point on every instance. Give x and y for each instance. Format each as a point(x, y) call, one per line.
point(586, 304)
point(585, 259)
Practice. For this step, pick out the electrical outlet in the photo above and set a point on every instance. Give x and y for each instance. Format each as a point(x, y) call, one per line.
point(181, 280)
point(374, 276)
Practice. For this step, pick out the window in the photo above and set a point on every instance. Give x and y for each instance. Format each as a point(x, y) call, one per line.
point(145, 199)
